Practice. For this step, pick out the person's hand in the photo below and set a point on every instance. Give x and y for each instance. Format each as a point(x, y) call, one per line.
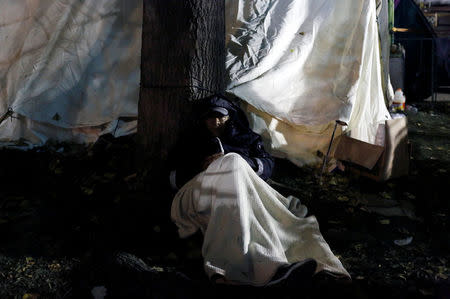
point(208, 160)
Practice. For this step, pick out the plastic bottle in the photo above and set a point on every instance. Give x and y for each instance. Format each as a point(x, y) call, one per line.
point(399, 100)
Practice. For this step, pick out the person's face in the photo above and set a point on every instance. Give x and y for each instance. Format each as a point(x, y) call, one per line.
point(216, 122)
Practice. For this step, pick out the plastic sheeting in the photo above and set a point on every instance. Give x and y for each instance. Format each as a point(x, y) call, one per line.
point(303, 65)
point(69, 69)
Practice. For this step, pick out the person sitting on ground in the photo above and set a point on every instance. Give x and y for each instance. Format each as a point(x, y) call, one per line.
point(223, 129)
point(252, 234)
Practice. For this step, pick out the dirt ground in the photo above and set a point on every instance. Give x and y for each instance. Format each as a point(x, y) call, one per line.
point(66, 210)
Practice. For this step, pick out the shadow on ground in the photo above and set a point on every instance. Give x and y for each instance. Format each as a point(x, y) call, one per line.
point(66, 210)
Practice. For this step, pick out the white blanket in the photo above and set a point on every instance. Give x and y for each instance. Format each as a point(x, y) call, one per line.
point(249, 228)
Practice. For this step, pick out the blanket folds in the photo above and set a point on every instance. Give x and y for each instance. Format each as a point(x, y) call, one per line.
point(249, 228)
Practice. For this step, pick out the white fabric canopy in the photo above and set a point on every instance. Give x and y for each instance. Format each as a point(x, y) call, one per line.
point(68, 68)
point(305, 64)
point(249, 228)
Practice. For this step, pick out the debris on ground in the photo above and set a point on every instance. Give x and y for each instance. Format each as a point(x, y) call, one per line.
point(66, 209)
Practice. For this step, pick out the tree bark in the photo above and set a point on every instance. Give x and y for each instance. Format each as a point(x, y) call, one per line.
point(183, 59)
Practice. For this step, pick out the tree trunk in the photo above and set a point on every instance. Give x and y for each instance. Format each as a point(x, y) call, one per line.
point(183, 59)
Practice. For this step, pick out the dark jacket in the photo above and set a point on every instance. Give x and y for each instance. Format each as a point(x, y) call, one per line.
point(237, 138)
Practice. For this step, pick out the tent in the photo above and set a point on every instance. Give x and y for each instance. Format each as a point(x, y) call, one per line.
point(69, 70)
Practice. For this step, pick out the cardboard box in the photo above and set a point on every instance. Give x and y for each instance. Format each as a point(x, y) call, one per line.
point(378, 162)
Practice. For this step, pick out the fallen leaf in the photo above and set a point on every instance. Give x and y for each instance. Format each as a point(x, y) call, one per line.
point(29, 260)
point(109, 175)
point(157, 269)
point(343, 198)
point(385, 221)
point(404, 231)
point(54, 267)
point(385, 195)
point(333, 182)
point(87, 191)
point(130, 177)
point(409, 195)
point(441, 276)
point(426, 292)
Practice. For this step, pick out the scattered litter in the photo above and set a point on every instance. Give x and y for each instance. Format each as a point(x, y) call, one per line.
point(411, 109)
point(403, 242)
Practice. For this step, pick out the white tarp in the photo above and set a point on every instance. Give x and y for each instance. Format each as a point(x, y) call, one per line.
point(249, 228)
point(68, 68)
point(305, 64)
